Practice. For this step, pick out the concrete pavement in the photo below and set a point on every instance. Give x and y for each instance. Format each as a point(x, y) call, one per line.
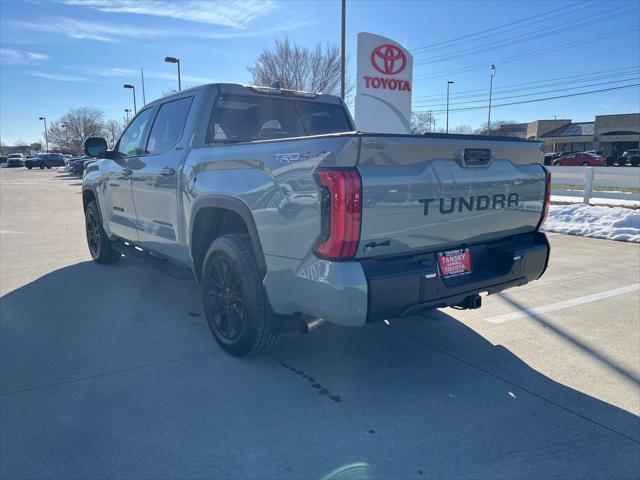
point(111, 372)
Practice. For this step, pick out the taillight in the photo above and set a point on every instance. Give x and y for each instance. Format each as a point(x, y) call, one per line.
point(341, 207)
point(547, 197)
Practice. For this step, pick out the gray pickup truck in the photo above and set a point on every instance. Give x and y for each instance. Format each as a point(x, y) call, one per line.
point(286, 215)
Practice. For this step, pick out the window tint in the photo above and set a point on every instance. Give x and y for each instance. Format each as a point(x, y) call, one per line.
point(130, 140)
point(239, 118)
point(168, 125)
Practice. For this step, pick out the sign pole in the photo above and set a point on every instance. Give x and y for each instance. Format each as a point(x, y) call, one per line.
point(343, 50)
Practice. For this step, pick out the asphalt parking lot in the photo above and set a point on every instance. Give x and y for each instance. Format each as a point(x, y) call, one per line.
point(111, 372)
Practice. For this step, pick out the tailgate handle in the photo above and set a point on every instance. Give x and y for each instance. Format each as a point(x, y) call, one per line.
point(475, 157)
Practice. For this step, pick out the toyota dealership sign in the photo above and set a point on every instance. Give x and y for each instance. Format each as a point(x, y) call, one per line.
point(384, 84)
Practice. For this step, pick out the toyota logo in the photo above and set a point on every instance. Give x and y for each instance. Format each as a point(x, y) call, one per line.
point(388, 59)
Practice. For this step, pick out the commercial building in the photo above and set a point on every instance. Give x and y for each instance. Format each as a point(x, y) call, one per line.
point(612, 134)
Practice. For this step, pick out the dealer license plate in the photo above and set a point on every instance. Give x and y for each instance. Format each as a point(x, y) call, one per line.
point(452, 263)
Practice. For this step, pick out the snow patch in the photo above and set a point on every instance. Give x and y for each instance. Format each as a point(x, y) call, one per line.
point(612, 223)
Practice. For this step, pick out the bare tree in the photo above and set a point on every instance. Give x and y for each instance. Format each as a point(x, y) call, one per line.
point(422, 122)
point(462, 129)
point(69, 132)
point(112, 131)
point(499, 127)
point(299, 68)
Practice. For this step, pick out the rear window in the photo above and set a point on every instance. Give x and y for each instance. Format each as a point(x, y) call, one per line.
point(238, 118)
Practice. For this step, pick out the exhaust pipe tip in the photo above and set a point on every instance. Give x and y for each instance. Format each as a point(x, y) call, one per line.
point(472, 302)
point(307, 325)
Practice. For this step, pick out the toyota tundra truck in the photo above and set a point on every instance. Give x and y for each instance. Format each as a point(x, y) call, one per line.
point(285, 214)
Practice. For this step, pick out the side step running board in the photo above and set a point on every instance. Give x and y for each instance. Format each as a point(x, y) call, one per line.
point(154, 261)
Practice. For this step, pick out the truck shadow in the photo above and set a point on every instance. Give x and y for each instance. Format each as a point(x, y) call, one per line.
point(422, 396)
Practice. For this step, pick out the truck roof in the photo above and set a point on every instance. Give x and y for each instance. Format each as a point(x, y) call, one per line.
point(242, 89)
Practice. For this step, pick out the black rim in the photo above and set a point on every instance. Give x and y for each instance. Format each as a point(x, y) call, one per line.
point(93, 233)
point(224, 300)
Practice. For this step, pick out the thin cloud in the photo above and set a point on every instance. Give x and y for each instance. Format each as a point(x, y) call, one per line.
point(135, 73)
point(83, 30)
point(234, 14)
point(58, 76)
point(114, 33)
point(10, 56)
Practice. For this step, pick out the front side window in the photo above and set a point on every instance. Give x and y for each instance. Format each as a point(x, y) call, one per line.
point(131, 139)
point(246, 118)
point(168, 125)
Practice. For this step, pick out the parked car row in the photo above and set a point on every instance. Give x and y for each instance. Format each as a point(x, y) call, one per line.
point(41, 160)
point(592, 158)
point(76, 165)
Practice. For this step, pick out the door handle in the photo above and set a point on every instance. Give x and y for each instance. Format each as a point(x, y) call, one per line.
point(127, 171)
point(167, 171)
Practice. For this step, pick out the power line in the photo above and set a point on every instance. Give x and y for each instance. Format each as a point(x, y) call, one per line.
point(530, 54)
point(551, 82)
point(536, 93)
point(567, 27)
point(534, 100)
point(425, 47)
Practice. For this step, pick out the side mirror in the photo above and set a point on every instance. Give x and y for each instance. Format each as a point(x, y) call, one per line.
point(95, 147)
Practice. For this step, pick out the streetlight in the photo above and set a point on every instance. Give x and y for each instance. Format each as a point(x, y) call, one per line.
point(449, 82)
point(493, 72)
point(126, 111)
point(175, 60)
point(46, 138)
point(127, 85)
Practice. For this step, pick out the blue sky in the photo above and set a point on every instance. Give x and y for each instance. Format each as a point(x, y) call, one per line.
point(56, 55)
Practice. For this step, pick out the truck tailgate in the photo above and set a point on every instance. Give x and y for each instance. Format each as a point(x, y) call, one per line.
point(426, 194)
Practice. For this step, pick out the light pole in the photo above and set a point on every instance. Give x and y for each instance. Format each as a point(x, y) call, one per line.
point(175, 60)
point(493, 72)
point(144, 98)
point(449, 82)
point(46, 137)
point(127, 85)
point(126, 111)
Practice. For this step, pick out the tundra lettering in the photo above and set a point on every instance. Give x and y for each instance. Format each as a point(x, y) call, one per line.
point(286, 215)
point(480, 202)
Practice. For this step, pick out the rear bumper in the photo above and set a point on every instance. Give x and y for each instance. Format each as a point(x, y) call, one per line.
point(359, 292)
point(399, 287)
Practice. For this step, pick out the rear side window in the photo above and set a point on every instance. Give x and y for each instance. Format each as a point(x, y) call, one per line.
point(168, 125)
point(246, 118)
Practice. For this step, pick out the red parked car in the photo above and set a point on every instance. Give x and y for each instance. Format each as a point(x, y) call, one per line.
point(580, 159)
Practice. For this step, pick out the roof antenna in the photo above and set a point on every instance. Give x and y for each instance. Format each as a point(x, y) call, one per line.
point(276, 84)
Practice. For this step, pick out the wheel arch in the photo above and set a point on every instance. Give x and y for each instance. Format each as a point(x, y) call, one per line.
point(217, 215)
point(89, 195)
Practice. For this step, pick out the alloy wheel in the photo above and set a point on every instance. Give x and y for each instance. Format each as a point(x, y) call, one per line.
point(224, 300)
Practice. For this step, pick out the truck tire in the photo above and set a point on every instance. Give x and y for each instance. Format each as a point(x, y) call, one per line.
point(41, 167)
point(100, 247)
point(235, 303)
point(29, 168)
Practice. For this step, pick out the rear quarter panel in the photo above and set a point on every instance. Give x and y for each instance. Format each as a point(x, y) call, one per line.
point(275, 180)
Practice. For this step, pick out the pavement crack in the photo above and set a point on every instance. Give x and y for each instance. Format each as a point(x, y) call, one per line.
point(108, 374)
point(505, 380)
